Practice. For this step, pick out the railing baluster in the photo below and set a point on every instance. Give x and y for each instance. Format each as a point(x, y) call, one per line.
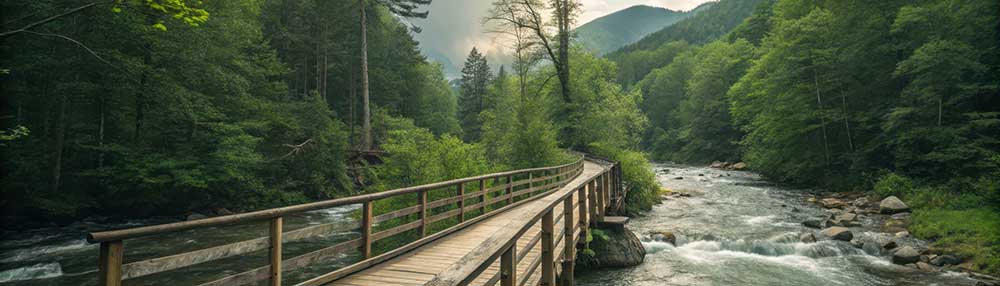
point(508, 266)
point(581, 197)
point(423, 213)
point(366, 229)
point(482, 196)
point(548, 273)
point(592, 203)
point(599, 181)
point(276, 227)
point(569, 248)
point(461, 202)
point(510, 189)
point(110, 263)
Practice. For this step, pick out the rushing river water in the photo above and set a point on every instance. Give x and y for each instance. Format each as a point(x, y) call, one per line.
point(735, 230)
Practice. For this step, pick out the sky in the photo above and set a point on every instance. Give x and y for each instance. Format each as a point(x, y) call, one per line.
point(455, 26)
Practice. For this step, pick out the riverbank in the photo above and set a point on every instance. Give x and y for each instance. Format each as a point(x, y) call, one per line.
point(734, 228)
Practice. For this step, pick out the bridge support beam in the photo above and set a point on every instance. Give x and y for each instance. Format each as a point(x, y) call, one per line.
point(548, 255)
point(508, 266)
point(277, 224)
point(569, 245)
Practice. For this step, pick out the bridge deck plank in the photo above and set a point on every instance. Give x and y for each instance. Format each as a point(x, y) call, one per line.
point(422, 265)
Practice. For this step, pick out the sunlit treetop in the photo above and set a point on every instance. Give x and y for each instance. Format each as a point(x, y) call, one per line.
point(183, 10)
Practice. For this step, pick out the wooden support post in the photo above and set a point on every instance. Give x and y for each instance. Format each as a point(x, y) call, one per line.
point(607, 191)
point(569, 246)
point(581, 197)
point(510, 189)
point(275, 257)
point(530, 183)
point(110, 263)
point(599, 186)
point(461, 202)
point(592, 203)
point(366, 229)
point(508, 266)
point(482, 196)
point(423, 213)
point(548, 247)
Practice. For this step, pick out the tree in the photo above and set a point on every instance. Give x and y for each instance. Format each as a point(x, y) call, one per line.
point(402, 8)
point(475, 79)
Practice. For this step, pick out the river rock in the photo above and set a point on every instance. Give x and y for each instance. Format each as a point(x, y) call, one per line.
point(926, 267)
point(838, 233)
point(832, 203)
point(905, 255)
point(857, 243)
point(196, 216)
point(860, 202)
point(223, 211)
point(718, 165)
point(946, 259)
point(814, 223)
point(903, 234)
point(889, 245)
point(892, 205)
point(807, 237)
point(621, 249)
point(678, 178)
point(738, 166)
point(665, 236)
point(843, 219)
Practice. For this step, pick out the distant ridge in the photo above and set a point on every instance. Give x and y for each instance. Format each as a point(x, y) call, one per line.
point(618, 29)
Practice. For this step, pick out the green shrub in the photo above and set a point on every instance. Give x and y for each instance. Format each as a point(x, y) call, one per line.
point(893, 185)
point(972, 233)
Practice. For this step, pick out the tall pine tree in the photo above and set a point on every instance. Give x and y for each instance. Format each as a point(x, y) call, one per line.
point(476, 77)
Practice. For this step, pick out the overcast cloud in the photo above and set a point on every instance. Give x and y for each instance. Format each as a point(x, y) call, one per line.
point(455, 26)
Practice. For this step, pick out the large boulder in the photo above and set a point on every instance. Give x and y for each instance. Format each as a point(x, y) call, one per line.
point(892, 205)
point(621, 249)
point(838, 233)
point(843, 219)
point(905, 255)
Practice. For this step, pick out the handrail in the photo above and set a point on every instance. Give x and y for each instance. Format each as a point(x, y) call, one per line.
point(111, 271)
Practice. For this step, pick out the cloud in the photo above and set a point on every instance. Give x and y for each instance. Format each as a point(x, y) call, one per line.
point(455, 26)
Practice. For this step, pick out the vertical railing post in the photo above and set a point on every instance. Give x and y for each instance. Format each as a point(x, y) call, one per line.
point(423, 213)
point(569, 247)
point(110, 263)
point(607, 191)
point(592, 203)
point(599, 181)
point(510, 189)
point(581, 196)
point(482, 196)
point(508, 266)
point(275, 255)
point(461, 202)
point(548, 257)
point(366, 229)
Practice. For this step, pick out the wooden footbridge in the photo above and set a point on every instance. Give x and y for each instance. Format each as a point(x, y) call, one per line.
point(520, 227)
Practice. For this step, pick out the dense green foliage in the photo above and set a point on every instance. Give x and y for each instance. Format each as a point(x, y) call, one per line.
point(476, 77)
point(623, 27)
point(253, 107)
point(843, 95)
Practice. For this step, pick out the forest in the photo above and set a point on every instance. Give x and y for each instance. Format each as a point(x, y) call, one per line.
point(130, 109)
point(890, 98)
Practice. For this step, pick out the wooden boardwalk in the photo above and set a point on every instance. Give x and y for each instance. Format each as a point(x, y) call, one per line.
point(439, 261)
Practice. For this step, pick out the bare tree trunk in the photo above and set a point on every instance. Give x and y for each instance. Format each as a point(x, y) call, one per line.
point(847, 123)
point(564, 48)
point(819, 103)
point(326, 67)
point(100, 134)
point(57, 146)
point(366, 124)
point(351, 104)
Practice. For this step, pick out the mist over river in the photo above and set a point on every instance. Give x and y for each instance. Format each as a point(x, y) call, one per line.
point(737, 229)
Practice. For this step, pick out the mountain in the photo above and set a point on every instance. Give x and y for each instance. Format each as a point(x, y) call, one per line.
point(608, 33)
point(707, 24)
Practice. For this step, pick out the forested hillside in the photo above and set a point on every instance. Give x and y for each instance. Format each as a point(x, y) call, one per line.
point(890, 97)
point(608, 33)
point(125, 110)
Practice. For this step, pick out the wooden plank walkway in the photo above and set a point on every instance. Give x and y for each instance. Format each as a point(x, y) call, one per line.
point(427, 264)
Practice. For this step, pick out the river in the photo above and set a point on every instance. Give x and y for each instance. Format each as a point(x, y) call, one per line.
point(736, 229)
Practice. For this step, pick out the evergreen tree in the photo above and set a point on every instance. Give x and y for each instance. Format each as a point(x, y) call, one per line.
point(476, 77)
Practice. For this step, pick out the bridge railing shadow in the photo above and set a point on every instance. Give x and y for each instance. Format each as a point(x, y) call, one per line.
point(431, 211)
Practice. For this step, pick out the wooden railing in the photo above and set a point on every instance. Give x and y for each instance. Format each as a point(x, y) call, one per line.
point(492, 194)
point(590, 201)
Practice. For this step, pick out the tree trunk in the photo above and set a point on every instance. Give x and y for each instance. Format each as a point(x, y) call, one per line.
point(847, 123)
point(940, 108)
point(564, 48)
point(822, 119)
point(100, 134)
point(351, 104)
point(366, 124)
point(57, 145)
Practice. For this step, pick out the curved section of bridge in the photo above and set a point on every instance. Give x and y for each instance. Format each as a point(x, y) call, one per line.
point(512, 228)
point(452, 259)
